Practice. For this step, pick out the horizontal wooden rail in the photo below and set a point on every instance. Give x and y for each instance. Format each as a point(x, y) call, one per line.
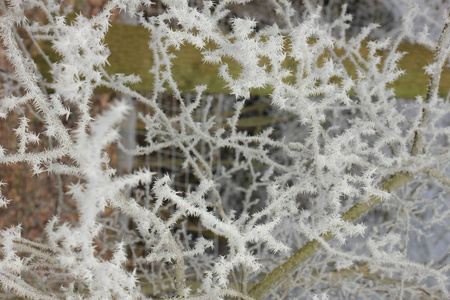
point(130, 55)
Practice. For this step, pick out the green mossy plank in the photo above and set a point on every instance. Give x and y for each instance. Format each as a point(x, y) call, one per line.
point(415, 82)
point(130, 55)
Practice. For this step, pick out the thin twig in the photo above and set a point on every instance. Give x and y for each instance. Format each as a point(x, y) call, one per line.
point(440, 56)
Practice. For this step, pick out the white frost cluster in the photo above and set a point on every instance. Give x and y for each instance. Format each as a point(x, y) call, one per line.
point(327, 203)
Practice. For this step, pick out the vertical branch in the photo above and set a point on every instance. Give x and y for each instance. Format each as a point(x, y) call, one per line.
point(440, 56)
point(135, 211)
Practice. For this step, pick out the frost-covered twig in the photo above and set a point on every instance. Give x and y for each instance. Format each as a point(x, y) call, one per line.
point(336, 149)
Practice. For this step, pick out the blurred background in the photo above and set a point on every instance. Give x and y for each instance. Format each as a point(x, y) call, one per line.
point(36, 198)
